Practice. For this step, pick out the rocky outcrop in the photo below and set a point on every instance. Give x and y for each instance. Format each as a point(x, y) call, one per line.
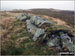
point(57, 38)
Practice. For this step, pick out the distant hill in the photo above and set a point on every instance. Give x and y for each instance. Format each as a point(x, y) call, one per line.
point(66, 15)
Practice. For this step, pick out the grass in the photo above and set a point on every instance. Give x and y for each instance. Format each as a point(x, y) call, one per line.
point(26, 46)
point(20, 41)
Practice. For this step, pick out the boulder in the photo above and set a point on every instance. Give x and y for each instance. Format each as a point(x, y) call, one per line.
point(23, 17)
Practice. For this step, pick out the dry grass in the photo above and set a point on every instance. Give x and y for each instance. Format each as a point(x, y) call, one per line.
point(16, 40)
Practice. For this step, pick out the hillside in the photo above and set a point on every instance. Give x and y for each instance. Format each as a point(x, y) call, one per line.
point(16, 40)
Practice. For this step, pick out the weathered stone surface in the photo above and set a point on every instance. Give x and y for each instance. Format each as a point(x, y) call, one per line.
point(52, 42)
point(23, 17)
point(38, 33)
point(34, 30)
point(38, 21)
point(55, 38)
point(67, 42)
point(30, 27)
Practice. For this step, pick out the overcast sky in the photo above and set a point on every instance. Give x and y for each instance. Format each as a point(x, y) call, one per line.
point(63, 5)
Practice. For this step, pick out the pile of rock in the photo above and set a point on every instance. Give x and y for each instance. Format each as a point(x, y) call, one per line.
point(37, 26)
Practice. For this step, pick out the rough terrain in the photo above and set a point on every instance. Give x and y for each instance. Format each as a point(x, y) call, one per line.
point(16, 40)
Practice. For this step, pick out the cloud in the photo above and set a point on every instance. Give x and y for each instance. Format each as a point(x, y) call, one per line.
point(63, 5)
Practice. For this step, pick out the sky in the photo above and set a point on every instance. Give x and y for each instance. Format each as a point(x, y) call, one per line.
point(62, 5)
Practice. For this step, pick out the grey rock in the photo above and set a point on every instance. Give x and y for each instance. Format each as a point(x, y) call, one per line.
point(38, 21)
point(23, 17)
point(52, 42)
point(34, 24)
point(67, 42)
point(34, 30)
point(30, 27)
point(64, 37)
point(38, 32)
